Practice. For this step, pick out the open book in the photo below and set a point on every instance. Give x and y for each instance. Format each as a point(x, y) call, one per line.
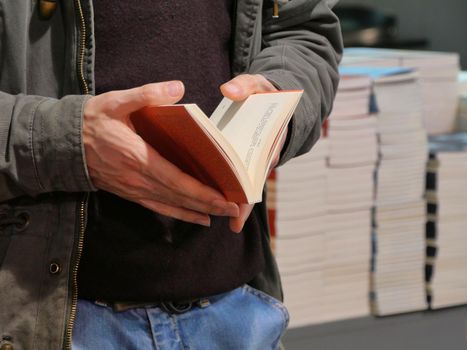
point(231, 151)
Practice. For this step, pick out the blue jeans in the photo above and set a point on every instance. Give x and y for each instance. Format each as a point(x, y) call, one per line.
point(243, 319)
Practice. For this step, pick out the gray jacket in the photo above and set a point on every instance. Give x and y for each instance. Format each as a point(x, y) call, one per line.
point(46, 76)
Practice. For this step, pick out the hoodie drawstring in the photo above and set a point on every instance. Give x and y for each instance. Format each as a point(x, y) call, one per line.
point(47, 9)
point(275, 11)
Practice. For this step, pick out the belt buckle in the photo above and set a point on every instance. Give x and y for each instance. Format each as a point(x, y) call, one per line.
point(176, 308)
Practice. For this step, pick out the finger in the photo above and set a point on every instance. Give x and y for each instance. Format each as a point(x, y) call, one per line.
point(137, 188)
point(244, 85)
point(135, 191)
point(184, 190)
point(216, 207)
point(277, 154)
point(177, 213)
point(176, 197)
point(236, 224)
point(188, 193)
point(121, 103)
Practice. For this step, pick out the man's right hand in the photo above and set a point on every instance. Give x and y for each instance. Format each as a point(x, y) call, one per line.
point(119, 161)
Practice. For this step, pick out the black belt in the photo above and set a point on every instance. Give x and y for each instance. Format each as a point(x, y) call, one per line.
point(167, 306)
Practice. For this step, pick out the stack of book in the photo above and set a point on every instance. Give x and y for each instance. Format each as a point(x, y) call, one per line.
point(322, 216)
point(397, 279)
point(346, 269)
point(353, 146)
point(352, 158)
point(297, 205)
point(446, 270)
point(438, 73)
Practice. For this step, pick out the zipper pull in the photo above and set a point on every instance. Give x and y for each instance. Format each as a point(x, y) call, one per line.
point(275, 11)
point(47, 9)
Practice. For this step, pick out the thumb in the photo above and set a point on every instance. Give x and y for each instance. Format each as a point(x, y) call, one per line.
point(244, 85)
point(123, 102)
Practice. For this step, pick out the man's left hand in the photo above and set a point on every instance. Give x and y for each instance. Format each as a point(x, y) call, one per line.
point(238, 89)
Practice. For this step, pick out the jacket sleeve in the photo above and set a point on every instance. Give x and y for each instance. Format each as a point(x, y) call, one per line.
point(40, 145)
point(301, 50)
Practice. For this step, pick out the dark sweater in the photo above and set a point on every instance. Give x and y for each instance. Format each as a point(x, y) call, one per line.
point(131, 253)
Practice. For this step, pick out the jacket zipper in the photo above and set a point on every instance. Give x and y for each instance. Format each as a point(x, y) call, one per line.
point(82, 48)
point(83, 202)
point(74, 272)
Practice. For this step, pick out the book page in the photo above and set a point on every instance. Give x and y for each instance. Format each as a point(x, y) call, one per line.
point(251, 126)
point(225, 110)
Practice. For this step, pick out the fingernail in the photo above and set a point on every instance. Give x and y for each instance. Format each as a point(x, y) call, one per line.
point(204, 222)
point(235, 210)
point(227, 208)
point(175, 88)
point(233, 89)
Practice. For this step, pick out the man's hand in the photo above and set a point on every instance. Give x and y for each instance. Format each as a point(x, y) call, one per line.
point(119, 161)
point(239, 89)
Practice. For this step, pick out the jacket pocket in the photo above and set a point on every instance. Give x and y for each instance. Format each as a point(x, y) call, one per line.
point(25, 224)
point(10, 224)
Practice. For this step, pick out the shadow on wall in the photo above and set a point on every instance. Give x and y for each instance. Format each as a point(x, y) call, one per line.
point(367, 26)
point(415, 24)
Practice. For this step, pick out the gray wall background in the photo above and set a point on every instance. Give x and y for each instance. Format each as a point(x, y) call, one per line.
point(442, 22)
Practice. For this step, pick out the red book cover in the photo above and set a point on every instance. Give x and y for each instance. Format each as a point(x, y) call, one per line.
point(173, 133)
point(272, 180)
